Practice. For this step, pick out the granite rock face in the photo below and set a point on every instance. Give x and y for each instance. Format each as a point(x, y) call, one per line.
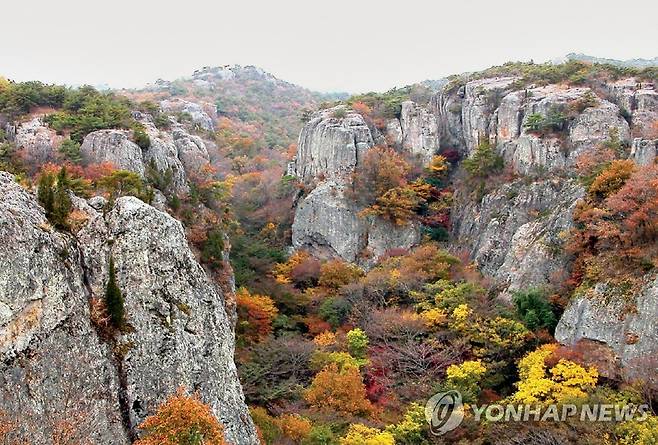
point(197, 113)
point(37, 141)
point(516, 232)
point(639, 102)
point(331, 144)
point(644, 151)
point(53, 367)
point(179, 333)
point(327, 222)
point(419, 130)
point(631, 334)
point(174, 152)
point(115, 147)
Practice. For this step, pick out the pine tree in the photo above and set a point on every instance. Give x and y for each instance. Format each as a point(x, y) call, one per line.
point(45, 193)
point(114, 299)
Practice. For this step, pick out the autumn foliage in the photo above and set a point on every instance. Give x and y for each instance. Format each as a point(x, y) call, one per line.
point(341, 391)
point(180, 420)
point(256, 313)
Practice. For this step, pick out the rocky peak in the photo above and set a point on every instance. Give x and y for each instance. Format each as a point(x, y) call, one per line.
point(331, 144)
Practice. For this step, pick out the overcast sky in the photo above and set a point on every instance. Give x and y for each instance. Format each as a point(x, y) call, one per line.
point(335, 45)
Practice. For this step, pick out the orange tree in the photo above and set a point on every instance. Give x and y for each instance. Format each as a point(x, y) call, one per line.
point(182, 420)
point(341, 391)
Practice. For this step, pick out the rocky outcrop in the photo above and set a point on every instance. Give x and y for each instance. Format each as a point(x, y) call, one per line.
point(178, 332)
point(37, 141)
point(515, 234)
point(481, 100)
point(198, 114)
point(331, 144)
point(494, 110)
point(53, 368)
point(644, 151)
point(174, 153)
point(639, 102)
point(630, 331)
point(115, 147)
point(327, 224)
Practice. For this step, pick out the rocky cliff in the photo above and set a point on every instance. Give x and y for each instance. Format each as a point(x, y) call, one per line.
point(515, 232)
point(58, 364)
point(327, 222)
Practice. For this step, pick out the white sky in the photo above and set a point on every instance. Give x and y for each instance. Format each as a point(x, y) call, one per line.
point(335, 45)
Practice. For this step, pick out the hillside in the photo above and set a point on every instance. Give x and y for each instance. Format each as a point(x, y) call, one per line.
point(330, 263)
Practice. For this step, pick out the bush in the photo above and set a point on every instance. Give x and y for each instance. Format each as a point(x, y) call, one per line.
point(71, 151)
point(212, 252)
point(484, 162)
point(335, 311)
point(339, 113)
point(357, 343)
point(53, 195)
point(141, 138)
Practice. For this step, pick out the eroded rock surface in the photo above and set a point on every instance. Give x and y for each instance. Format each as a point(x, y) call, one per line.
point(630, 331)
point(179, 333)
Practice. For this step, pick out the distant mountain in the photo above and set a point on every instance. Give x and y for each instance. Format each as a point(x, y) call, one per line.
point(630, 63)
point(256, 102)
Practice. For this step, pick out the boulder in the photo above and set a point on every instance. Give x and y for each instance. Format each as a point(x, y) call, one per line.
point(197, 113)
point(115, 147)
point(36, 139)
point(331, 144)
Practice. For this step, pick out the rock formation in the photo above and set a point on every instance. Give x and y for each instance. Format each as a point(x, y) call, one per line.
point(632, 333)
point(57, 365)
point(174, 152)
point(326, 221)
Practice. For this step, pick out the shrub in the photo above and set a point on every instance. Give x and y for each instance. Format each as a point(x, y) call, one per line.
point(321, 435)
point(339, 113)
point(182, 420)
point(465, 378)
point(335, 311)
point(71, 151)
point(357, 343)
point(381, 170)
point(141, 138)
point(336, 273)
point(267, 426)
point(359, 434)
point(564, 382)
point(255, 314)
point(295, 427)
point(212, 252)
point(53, 195)
point(611, 179)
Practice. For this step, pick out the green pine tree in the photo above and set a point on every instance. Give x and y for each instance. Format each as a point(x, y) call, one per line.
point(114, 299)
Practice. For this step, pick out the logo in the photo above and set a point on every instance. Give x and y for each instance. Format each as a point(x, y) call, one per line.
point(444, 412)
